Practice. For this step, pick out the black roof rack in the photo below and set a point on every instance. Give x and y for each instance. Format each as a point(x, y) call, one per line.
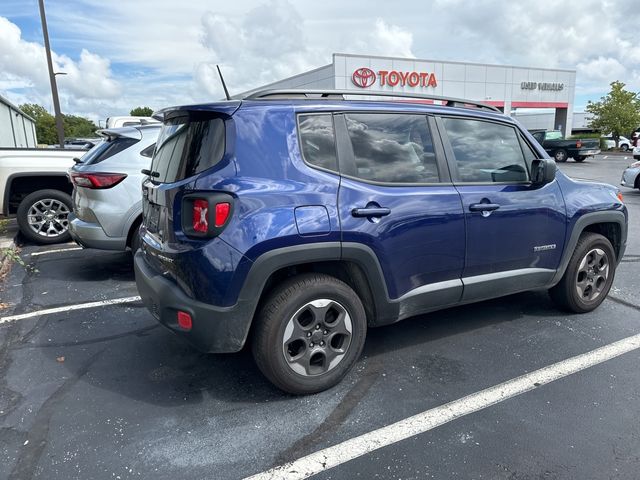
point(339, 95)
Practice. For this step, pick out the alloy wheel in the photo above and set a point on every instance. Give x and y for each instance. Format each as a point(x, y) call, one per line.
point(48, 218)
point(593, 273)
point(317, 337)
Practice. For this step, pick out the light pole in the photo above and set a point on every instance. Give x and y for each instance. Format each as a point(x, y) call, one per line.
point(52, 77)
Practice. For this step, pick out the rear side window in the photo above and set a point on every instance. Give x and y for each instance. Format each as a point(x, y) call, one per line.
point(392, 148)
point(317, 140)
point(187, 147)
point(486, 152)
point(106, 149)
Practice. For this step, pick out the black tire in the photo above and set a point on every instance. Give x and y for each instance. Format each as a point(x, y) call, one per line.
point(624, 147)
point(135, 238)
point(566, 293)
point(274, 354)
point(580, 159)
point(560, 155)
point(54, 224)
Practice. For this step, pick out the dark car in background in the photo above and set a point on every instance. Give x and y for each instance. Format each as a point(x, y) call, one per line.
point(562, 149)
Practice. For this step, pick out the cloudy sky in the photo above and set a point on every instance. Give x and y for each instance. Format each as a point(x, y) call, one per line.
point(120, 54)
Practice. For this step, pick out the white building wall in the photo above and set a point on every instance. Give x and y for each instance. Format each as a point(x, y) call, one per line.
point(6, 130)
point(482, 82)
point(16, 129)
point(545, 121)
point(501, 85)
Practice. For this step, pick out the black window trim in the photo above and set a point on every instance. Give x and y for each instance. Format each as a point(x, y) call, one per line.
point(526, 142)
point(335, 142)
point(451, 158)
point(346, 156)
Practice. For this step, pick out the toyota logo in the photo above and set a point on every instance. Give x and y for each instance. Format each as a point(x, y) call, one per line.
point(363, 77)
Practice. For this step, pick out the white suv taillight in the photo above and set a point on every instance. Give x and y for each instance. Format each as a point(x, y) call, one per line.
point(97, 180)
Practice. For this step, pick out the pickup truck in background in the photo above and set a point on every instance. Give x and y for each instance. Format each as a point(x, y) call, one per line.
point(34, 187)
point(560, 149)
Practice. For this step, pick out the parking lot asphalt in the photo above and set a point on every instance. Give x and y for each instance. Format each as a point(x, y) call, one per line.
point(103, 392)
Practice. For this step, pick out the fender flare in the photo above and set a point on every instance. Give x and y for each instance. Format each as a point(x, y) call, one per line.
point(268, 263)
point(13, 176)
point(609, 216)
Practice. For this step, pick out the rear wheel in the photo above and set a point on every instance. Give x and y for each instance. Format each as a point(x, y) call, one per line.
point(135, 241)
point(43, 216)
point(624, 147)
point(560, 155)
point(588, 277)
point(580, 159)
point(309, 333)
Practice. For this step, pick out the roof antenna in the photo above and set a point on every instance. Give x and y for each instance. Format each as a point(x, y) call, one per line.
point(224, 85)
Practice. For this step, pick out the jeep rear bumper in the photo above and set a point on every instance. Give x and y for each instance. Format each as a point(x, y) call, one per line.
point(215, 329)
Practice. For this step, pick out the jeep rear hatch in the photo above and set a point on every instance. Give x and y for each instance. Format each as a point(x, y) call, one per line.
point(192, 140)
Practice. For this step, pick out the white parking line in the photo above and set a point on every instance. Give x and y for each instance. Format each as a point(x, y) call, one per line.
point(57, 250)
point(423, 422)
point(68, 308)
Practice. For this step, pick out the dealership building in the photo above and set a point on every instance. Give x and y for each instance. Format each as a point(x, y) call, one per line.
point(510, 88)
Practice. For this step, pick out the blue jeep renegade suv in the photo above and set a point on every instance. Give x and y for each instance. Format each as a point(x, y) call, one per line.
point(296, 220)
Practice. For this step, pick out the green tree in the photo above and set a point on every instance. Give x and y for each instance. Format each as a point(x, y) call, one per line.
point(617, 113)
point(45, 123)
point(141, 112)
point(78, 127)
point(74, 126)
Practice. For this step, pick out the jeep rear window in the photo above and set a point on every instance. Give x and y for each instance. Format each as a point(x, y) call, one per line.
point(106, 149)
point(186, 147)
point(318, 142)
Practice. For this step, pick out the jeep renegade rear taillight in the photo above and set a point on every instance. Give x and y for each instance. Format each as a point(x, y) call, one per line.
point(97, 180)
point(222, 213)
point(204, 215)
point(200, 213)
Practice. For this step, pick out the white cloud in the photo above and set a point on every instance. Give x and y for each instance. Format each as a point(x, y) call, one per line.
point(386, 39)
point(162, 55)
point(263, 45)
point(89, 78)
point(268, 43)
point(23, 65)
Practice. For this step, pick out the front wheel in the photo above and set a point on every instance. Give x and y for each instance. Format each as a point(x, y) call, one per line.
point(560, 155)
point(309, 333)
point(43, 216)
point(624, 147)
point(589, 275)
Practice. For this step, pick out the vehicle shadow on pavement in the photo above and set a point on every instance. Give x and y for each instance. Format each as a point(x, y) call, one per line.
point(152, 365)
point(78, 267)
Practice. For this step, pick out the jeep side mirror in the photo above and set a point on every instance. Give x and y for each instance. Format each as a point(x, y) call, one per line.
point(543, 171)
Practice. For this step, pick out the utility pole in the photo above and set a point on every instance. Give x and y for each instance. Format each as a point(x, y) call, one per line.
point(52, 77)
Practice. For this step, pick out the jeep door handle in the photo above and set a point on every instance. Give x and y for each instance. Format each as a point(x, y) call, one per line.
point(483, 207)
point(370, 212)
